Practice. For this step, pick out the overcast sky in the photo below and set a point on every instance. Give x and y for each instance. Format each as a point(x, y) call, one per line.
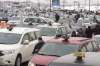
point(66, 1)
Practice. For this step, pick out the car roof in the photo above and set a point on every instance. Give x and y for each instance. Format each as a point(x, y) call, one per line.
point(18, 30)
point(90, 59)
point(54, 25)
point(71, 40)
point(48, 19)
point(34, 17)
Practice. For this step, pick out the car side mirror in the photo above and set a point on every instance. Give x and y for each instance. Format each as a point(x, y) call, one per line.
point(25, 42)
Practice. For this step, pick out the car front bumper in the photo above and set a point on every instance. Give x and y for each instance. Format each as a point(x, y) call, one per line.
point(7, 60)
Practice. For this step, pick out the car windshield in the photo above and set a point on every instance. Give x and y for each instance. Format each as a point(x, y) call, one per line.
point(58, 49)
point(9, 38)
point(31, 20)
point(48, 31)
point(48, 20)
point(98, 17)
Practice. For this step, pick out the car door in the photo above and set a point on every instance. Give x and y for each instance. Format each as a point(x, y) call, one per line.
point(27, 49)
point(33, 42)
point(24, 48)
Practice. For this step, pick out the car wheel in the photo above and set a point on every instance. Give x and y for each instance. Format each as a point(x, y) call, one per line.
point(18, 61)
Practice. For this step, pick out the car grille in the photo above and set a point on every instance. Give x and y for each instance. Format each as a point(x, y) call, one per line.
point(39, 65)
point(1, 54)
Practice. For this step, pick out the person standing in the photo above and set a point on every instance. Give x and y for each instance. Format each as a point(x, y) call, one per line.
point(57, 17)
point(38, 45)
point(89, 32)
point(80, 22)
point(73, 34)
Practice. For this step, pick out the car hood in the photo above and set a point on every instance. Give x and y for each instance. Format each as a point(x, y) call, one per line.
point(90, 59)
point(43, 60)
point(9, 47)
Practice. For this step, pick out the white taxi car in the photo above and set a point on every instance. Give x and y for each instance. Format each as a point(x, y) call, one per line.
point(16, 45)
point(37, 20)
point(53, 30)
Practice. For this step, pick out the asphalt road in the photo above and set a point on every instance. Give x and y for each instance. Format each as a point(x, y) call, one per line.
point(25, 64)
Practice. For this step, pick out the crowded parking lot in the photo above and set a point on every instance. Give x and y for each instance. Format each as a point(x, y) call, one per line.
point(49, 33)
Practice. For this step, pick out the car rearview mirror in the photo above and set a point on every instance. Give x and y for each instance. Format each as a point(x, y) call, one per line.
point(26, 42)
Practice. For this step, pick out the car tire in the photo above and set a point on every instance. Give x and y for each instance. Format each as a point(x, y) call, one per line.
point(18, 61)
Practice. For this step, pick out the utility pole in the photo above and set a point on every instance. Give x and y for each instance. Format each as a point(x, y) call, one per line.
point(85, 3)
point(78, 4)
point(50, 4)
point(89, 5)
point(74, 5)
point(97, 4)
point(39, 4)
point(63, 4)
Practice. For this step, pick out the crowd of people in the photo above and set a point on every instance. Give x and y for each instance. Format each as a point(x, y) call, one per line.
point(76, 22)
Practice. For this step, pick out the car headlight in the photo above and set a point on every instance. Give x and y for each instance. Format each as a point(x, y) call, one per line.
point(8, 52)
point(31, 64)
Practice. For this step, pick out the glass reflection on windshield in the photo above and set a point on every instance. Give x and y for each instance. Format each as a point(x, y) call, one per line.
point(9, 38)
point(58, 49)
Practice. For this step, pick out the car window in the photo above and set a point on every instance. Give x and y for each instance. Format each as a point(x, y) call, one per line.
point(32, 36)
point(33, 20)
point(90, 47)
point(45, 31)
point(95, 46)
point(64, 30)
point(25, 37)
point(59, 31)
point(43, 21)
point(84, 49)
point(38, 20)
point(37, 34)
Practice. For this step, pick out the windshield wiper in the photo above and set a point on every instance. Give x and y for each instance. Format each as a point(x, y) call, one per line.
point(48, 55)
point(41, 54)
point(54, 55)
